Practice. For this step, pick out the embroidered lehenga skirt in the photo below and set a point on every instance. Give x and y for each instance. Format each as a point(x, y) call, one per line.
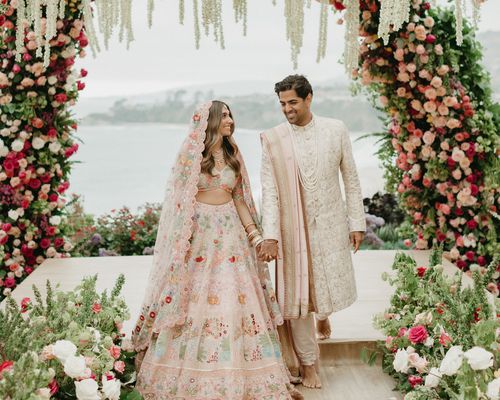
point(228, 347)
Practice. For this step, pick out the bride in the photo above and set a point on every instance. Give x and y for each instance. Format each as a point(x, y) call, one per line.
point(207, 328)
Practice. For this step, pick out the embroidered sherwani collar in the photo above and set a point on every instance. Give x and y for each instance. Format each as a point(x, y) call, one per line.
point(310, 125)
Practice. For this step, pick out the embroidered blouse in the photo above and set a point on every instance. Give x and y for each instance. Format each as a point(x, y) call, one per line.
point(225, 180)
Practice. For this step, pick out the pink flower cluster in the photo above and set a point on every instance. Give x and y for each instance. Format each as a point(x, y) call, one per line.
point(435, 131)
point(35, 144)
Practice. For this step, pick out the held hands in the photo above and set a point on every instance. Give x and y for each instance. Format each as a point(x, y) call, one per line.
point(267, 250)
point(356, 238)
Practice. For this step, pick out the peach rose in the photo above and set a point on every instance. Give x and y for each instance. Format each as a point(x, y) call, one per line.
point(420, 32)
point(436, 82)
point(430, 107)
point(429, 137)
point(453, 123)
point(443, 110)
point(431, 94)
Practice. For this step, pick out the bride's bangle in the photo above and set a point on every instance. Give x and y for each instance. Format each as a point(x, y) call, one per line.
point(258, 240)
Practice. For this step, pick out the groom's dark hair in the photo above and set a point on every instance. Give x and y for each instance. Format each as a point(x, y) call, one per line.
point(299, 83)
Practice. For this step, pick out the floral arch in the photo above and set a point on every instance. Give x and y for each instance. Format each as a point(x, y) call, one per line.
point(416, 62)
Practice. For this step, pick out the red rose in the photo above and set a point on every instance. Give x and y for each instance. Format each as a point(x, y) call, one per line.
point(83, 73)
point(441, 237)
point(461, 264)
point(474, 189)
point(459, 211)
point(25, 203)
point(52, 133)
point(54, 387)
point(6, 227)
point(45, 243)
point(338, 5)
point(415, 380)
point(51, 230)
point(199, 259)
point(5, 366)
point(96, 308)
point(471, 224)
point(80, 85)
point(37, 123)
point(232, 259)
point(481, 260)
point(417, 334)
point(58, 242)
point(45, 178)
point(451, 163)
point(421, 271)
point(61, 97)
point(470, 255)
point(430, 38)
point(426, 6)
point(84, 42)
point(9, 282)
point(25, 302)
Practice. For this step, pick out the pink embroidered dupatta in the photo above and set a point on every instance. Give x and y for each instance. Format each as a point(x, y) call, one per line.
point(169, 289)
point(292, 265)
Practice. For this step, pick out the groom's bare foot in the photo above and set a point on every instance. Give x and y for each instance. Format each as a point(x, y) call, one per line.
point(323, 329)
point(311, 378)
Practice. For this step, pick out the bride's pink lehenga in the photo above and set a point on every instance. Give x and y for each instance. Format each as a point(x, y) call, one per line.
point(228, 347)
point(222, 344)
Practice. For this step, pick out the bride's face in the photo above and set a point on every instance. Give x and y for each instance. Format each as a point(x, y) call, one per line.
point(226, 123)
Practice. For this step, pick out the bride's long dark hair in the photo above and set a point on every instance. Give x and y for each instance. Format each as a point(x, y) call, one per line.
point(212, 137)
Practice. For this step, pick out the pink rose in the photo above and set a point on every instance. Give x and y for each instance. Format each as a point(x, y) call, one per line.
point(415, 380)
point(443, 70)
point(430, 107)
point(444, 339)
point(438, 49)
point(119, 366)
point(428, 137)
point(420, 33)
point(115, 351)
point(431, 94)
point(96, 308)
point(443, 110)
point(418, 334)
point(436, 82)
point(420, 49)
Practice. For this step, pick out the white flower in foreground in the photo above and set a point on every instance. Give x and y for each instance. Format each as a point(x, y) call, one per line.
point(87, 390)
point(452, 361)
point(493, 391)
point(479, 358)
point(432, 380)
point(111, 389)
point(38, 143)
point(75, 366)
point(400, 362)
point(63, 349)
point(13, 214)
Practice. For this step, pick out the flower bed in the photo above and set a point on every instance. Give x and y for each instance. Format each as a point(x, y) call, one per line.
point(442, 339)
point(67, 346)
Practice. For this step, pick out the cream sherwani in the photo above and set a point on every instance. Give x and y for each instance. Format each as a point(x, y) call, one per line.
point(329, 218)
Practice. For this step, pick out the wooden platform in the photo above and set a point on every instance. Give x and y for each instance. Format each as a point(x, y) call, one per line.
point(343, 374)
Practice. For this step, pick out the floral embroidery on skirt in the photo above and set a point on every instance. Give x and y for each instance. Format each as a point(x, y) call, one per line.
point(228, 347)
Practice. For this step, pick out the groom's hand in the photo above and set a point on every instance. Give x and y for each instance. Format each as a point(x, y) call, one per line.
point(356, 238)
point(267, 250)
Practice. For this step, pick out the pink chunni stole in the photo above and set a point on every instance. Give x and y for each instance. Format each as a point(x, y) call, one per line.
point(292, 265)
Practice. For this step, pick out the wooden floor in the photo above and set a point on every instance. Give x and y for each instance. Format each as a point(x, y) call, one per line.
point(343, 374)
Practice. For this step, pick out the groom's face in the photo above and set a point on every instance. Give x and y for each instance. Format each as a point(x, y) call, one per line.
point(295, 108)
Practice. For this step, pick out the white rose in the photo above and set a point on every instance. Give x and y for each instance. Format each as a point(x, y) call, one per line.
point(38, 143)
point(4, 151)
point(1, 144)
point(13, 214)
point(74, 366)
point(493, 391)
point(52, 80)
point(479, 358)
point(55, 220)
point(400, 362)
point(111, 388)
point(17, 145)
point(452, 361)
point(87, 390)
point(429, 342)
point(432, 380)
point(63, 349)
point(54, 147)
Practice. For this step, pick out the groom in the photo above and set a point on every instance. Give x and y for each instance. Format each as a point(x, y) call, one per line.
point(306, 223)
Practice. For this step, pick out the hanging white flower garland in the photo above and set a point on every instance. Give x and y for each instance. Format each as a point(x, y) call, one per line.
point(118, 13)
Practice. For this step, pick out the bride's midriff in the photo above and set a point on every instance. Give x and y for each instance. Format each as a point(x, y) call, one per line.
point(214, 197)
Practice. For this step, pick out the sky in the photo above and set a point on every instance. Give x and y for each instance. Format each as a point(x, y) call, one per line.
point(165, 57)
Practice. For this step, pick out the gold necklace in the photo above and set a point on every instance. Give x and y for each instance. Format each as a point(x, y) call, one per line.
point(219, 159)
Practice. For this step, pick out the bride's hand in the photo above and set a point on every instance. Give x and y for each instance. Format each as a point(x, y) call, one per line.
point(267, 250)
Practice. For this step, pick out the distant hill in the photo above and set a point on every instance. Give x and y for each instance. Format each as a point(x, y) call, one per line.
point(253, 102)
